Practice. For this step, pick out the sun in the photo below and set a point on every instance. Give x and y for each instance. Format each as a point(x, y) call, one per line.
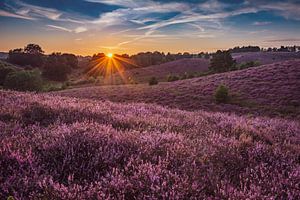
point(110, 55)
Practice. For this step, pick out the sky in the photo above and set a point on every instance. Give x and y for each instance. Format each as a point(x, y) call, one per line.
point(85, 27)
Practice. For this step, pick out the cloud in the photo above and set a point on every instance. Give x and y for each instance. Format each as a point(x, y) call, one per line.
point(289, 10)
point(285, 40)
point(80, 30)
point(261, 23)
point(4, 13)
point(76, 30)
point(31, 12)
point(59, 28)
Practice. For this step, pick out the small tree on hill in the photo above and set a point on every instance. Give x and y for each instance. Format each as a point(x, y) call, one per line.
point(222, 94)
point(221, 61)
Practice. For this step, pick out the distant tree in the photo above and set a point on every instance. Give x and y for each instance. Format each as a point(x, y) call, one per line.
point(31, 55)
point(71, 60)
point(56, 67)
point(221, 61)
point(245, 49)
point(222, 94)
point(33, 49)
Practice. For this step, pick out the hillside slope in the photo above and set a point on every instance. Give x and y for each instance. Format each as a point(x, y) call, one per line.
point(265, 57)
point(178, 67)
point(66, 148)
point(265, 90)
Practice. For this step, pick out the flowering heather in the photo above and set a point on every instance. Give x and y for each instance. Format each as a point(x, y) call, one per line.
point(67, 148)
point(269, 90)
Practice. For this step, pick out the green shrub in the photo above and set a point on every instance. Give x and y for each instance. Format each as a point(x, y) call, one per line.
point(24, 81)
point(153, 81)
point(222, 94)
point(171, 78)
point(4, 71)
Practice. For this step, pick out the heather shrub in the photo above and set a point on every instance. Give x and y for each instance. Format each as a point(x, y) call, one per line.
point(153, 81)
point(222, 94)
point(24, 81)
point(37, 113)
point(171, 78)
point(85, 156)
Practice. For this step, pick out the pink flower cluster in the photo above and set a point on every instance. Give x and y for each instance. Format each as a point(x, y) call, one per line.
point(66, 148)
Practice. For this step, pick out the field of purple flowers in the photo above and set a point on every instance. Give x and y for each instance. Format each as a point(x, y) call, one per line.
point(268, 90)
point(66, 148)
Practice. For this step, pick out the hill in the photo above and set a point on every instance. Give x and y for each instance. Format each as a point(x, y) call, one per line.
point(67, 148)
point(265, 90)
point(265, 57)
point(178, 68)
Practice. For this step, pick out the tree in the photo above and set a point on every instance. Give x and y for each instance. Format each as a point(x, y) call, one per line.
point(70, 60)
point(56, 67)
point(221, 61)
point(31, 55)
point(24, 80)
point(222, 94)
point(33, 49)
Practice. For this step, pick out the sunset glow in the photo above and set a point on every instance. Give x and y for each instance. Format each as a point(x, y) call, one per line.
point(85, 27)
point(110, 55)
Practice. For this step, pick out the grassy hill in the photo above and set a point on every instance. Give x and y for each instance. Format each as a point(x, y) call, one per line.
point(67, 148)
point(178, 68)
point(265, 90)
point(265, 57)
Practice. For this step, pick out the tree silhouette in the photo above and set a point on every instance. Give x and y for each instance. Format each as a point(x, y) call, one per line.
point(33, 49)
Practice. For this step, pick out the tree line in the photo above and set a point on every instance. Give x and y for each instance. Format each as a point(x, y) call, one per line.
point(55, 66)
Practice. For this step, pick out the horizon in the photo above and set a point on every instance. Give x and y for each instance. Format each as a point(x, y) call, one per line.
point(85, 27)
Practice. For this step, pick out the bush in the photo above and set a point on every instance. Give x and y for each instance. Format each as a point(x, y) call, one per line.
point(245, 65)
point(24, 81)
point(171, 78)
point(4, 71)
point(222, 94)
point(153, 81)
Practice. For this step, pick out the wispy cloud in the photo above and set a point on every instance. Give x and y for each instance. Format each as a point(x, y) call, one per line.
point(80, 30)
point(261, 23)
point(76, 30)
point(284, 40)
point(4, 13)
point(59, 28)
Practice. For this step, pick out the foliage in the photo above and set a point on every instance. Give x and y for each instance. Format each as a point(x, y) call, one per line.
point(24, 80)
point(221, 61)
point(33, 49)
point(245, 49)
point(171, 78)
point(222, 94)
point(67, 148)
point(245, 65)
point(31, 55)
point(56, 67)
point(153, 81)
point(5, 69)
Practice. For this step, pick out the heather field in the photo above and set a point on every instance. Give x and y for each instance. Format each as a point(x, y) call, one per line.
point(268, 90)
point(69, 148)
point(178, 68)
point(265, 57)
